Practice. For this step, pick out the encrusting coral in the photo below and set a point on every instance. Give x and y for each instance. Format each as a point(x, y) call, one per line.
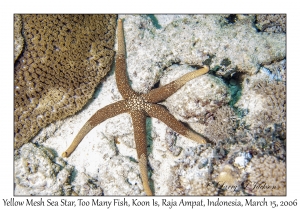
point(267, 176)
point(139, 107)
point(64, 58)
point(274, 111)
point(266, 101)
point(221, 125)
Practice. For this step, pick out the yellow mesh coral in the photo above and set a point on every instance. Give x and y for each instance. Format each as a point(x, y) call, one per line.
point(64, 58)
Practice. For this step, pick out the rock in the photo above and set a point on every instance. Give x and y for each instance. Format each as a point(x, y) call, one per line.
point(38, 172)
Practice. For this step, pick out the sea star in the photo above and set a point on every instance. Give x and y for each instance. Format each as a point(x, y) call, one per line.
point(139, 106)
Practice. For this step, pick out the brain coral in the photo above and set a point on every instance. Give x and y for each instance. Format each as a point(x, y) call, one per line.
point(64, 58)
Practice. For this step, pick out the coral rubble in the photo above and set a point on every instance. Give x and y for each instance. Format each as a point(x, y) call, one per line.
point(39, 172)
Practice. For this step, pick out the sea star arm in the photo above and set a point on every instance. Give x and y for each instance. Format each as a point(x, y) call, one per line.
point(121, 77)
point(161, 93)
point(139, 127)
point(100, 116)
point(163, 115)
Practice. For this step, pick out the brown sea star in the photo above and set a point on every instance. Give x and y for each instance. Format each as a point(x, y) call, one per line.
point(139, 106)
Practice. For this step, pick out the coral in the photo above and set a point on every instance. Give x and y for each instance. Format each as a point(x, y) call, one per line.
point(221, 125)
point(264, 101)
point(200, 187)
point(38, 172)
point(266, 176)
point(268, 126)
point(271, 22)
point(273, 114)
point(64, 59)
point(18, 38)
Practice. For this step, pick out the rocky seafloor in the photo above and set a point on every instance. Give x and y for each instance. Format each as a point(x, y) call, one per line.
point(239, 106)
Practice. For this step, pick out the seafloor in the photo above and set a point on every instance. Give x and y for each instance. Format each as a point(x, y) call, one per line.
point(239, 106)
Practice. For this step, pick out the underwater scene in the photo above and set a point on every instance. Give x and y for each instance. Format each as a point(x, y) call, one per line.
point(175, 104)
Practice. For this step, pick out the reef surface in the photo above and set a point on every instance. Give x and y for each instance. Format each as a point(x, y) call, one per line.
point(240, 106)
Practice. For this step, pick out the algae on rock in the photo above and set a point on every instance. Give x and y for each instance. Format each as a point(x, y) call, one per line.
point(18, 38)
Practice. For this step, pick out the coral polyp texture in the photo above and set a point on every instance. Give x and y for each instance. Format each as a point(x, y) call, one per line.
point(239, 106)
point(222, 124)
point(267, 176)
point(63, 60)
